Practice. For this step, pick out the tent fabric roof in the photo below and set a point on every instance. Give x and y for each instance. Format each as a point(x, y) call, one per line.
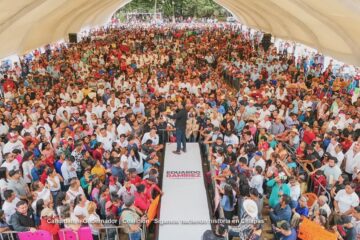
point(330, 26)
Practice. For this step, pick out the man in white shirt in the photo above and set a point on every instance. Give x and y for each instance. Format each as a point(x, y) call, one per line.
point(257, 180)
point(231, 139)
point(100, 108)
point(61, 109)
point(295, 190)
point(13, 143)
point(331, 147)
point(68, 171)
point(331, 171)
point(124, 127)
point(352, 160)
point(346, 200)
point(138, 107)
point(152, 135)
point(9, 205)
point(10, 162)
point(257, 160)
point(106, 139)
point(339, 155)
point(116, 100)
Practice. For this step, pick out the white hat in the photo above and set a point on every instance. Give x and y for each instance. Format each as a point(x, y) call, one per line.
point(47, 212)
point(295, 130)
point(250, 208)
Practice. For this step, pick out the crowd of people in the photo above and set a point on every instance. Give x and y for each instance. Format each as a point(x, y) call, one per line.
point(83, 128)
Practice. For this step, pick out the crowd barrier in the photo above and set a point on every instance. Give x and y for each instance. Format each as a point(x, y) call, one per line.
point(8, 235)
point(321, 190)
point(213, 190)
point(84, 233)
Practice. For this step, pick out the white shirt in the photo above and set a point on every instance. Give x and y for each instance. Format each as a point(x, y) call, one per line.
point(107, 141)
point(295, 192)
point(123, 161)
point(9, 146)
point(138, 165)
point(326, 208)
point(351, 161)
point(257, 182)
point(27, 167)
point(123, 129)
point(123, 192)
point(81, 211)
point(9, 209)
point(93, 219)
point(155, 139)
point(123, 144)
point(346, 201)
point(260, 162)
point(72, 194)
point(13, 165)
point(331, 149)
point(3, 187)
point(44, 195)
point(99, 110)
point(340, 157)
point(67, 172)
point(232, 139)
point(52, 187)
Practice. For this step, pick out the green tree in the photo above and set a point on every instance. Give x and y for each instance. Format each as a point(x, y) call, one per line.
point(184, 8)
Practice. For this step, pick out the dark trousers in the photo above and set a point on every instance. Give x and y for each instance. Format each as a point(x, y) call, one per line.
point(180, 138)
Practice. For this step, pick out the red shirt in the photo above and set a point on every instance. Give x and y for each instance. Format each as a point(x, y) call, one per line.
point(136, 180)
point(346, 144)
point(309, 137)
point(97, 154)
point(149, 188)
point(8, 85)
point(52, 228)
point(142, 201)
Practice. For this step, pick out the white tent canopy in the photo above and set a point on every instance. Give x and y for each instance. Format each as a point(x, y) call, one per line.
point(331, 26)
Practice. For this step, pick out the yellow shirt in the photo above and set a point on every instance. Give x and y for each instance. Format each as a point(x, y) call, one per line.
point(86, 91)
point(99, 171)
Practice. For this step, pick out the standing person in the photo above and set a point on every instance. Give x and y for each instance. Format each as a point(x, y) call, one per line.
point(18, 185)
point(131, 218)
point(250, 215)
point(93, 220)
point(9, 205)
point(68, 171)
point(180, 123)
point(54, 181)
point(23, 219)
point(279, 188)
point(228, 202)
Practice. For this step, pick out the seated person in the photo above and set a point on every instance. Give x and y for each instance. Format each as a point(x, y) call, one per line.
point(285, 232)
point(282, 211)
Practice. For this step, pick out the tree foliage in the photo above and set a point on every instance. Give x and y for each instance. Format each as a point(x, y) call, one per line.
point(184, 8)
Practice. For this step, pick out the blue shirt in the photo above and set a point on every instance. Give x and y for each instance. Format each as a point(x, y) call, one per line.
point(280, 214)
point(292, 236)
point(302, 211)
point(35, 174)
point(57, 166)
point(225, 203)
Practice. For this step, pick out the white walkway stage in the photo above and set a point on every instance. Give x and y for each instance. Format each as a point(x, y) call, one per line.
point(184, 212)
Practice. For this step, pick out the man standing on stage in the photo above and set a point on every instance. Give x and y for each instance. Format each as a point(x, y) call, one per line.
point(180, 123)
